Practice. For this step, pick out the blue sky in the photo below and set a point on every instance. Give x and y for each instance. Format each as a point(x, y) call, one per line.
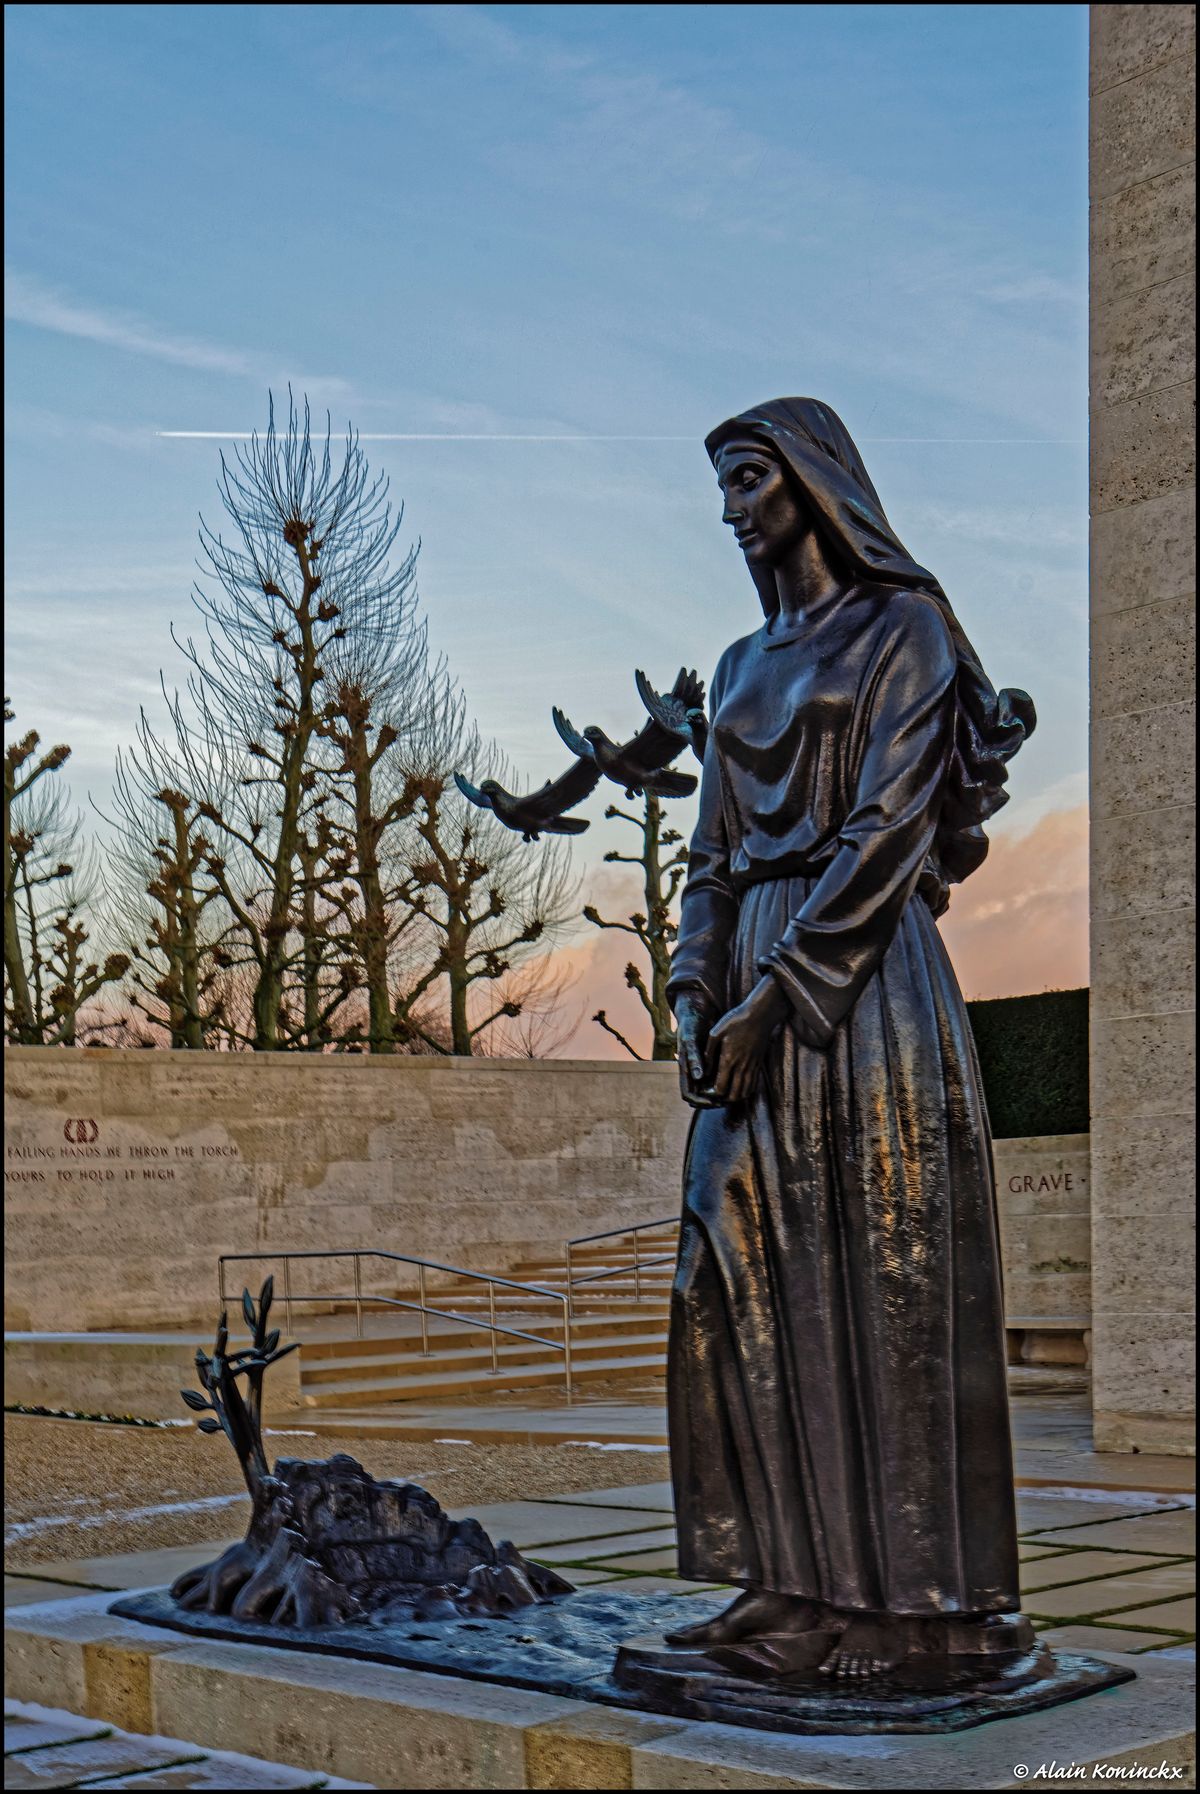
point(516, 221)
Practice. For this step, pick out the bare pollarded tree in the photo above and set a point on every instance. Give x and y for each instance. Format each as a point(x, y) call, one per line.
point(176, 924)
point(49, 878)
point(662, 857)
point(488, 902)
point(309, 567)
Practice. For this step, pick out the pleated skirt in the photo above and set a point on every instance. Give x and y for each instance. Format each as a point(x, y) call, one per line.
point(836, 1383)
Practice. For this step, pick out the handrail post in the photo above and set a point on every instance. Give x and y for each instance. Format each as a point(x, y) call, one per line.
point(287, 1291)
point(492, 1318)
point(637, 1266)
point(421, 1297)
point(358, 1295)
point(567, 1344)
point(570, 1285)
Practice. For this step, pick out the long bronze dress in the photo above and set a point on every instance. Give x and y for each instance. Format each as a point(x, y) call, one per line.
point(837, 1391)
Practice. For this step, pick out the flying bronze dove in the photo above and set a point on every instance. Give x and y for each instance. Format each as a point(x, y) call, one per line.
point(540, 812)
point(682, 717)
point(640, 764)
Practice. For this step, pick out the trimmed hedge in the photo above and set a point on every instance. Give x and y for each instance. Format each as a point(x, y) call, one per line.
point(1033, 1053)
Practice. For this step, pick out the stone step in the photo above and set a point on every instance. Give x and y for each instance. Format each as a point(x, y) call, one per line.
point(579, 1422)
point(443, 1357)
point(454, 1338)
point(608, 1301)
point(480, 1382)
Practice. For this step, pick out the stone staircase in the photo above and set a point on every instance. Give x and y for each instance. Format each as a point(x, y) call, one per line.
point(614, 1333)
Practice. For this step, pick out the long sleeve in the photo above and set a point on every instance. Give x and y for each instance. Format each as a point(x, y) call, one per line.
point(708, 907)
point(835, 942)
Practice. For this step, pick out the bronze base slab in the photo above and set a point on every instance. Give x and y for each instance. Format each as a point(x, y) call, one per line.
point(774, 1684)
point(606, 1646)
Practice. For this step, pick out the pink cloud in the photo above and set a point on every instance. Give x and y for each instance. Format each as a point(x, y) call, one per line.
point(1020, 924)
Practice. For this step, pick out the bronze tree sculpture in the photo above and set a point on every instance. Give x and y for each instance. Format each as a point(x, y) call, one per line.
point(327, 1543)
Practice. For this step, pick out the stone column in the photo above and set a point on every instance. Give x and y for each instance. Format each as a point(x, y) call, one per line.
point(1142, 165)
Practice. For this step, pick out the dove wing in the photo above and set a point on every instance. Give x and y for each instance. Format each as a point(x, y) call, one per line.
point(563, 793)
point(571, 736)
point(472, 792)
point(688, 689)
point(666, 711)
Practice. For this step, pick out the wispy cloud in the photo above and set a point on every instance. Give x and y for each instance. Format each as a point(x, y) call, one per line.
point(433, 436)
point(30, 301)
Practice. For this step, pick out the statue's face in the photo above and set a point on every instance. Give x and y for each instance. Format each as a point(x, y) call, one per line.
point(762, 506)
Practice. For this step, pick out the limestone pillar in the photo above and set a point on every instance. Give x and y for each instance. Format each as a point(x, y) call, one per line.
point(1142, 168)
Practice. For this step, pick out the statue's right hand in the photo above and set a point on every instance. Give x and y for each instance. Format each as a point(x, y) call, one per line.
point(690, 1032)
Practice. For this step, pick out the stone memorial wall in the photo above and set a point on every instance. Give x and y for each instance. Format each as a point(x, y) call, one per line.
point(1143, 757)
point(127, 1173)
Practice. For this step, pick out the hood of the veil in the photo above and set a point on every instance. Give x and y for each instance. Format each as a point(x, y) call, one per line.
point(815, 445)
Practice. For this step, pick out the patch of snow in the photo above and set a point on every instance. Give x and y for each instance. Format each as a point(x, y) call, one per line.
point(454, 1442)
point(26, 1529)
point(1141, 1498)
point(612, 1445)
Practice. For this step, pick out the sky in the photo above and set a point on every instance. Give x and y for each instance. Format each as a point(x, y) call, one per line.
point(533, 254)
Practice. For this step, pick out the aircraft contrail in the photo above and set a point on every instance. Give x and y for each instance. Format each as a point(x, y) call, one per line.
point(515, 436)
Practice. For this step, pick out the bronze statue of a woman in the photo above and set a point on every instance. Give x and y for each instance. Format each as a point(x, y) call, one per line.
point(837, 1393)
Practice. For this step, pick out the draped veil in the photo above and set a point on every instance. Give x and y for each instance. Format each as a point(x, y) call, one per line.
point(818, 451)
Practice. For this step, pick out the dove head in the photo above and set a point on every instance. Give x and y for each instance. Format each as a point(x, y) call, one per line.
point(593, 733)
point(490, 787)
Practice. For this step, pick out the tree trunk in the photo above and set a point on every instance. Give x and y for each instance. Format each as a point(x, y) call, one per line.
point(381, 1023)
point(662, 1020)
point(456, 955)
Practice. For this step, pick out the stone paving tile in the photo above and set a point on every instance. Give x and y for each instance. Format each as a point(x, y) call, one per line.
point(529, 1523)
point(650, 1561)
point(600, 1550)
point(652, 1495)
point(1027, 1553)
point(1173, 1616)
point(1038, 1509)
point(1171, 1533)
point(1112, 1593)
point(24, 1591)
point(1082, 1566)
point(1174, 1653)
point(671, 1585)
point(24, 1733)
point(66, 1765)
point(1095, 1638)
point(213, 1773)
point(135, 1569)
point(583, 1578)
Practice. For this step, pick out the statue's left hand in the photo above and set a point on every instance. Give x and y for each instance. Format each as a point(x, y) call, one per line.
point(738, 1043)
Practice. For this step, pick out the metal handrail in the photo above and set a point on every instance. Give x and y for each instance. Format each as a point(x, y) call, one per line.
point(646, 1264)
point(637, 1267)
point(420, 1307)
point(586, 1239)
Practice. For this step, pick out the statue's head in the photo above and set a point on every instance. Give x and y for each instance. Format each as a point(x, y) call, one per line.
point(764, 504)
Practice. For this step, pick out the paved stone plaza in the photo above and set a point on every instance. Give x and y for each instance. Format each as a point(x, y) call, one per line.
point(1108, 1565)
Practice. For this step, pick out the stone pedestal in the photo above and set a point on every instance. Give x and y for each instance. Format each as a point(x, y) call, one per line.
point(1142, 721)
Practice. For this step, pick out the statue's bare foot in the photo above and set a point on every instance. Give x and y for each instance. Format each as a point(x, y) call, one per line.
point(868, 1647)
point(755, 1611)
